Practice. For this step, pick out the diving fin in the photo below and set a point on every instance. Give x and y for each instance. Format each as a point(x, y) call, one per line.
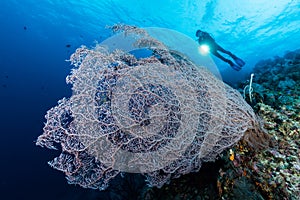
point(239, 61)
point(234, 66)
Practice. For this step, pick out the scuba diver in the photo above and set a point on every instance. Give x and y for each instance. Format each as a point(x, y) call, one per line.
point(205, 39)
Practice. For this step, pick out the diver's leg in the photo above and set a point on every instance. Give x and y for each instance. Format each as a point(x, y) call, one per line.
point(238, 61)
point(222, 58)
point(219, 48)
point(234, 66)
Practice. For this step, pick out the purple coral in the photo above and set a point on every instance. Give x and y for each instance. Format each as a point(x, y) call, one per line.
point(160, 116)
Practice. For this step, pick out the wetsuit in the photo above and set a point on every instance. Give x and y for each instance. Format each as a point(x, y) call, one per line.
point(205, 38)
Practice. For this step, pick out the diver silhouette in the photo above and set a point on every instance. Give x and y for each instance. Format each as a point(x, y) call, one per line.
point(205, 39)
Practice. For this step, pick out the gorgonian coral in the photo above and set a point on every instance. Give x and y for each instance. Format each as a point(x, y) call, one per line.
point(160, 115)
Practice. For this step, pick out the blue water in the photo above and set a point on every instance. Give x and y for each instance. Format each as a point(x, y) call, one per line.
point(37, 36)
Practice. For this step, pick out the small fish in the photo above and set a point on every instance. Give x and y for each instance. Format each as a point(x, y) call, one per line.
point(68, 45)
point(25, 28)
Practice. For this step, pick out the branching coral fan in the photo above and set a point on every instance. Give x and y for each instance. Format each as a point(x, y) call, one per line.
point(161, 116)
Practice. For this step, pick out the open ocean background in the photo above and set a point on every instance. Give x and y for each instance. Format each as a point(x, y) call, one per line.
point(37, 36)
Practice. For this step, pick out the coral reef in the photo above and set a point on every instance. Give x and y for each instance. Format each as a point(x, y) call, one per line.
point(243, 172)
point(166, 119)
point(161, 116)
